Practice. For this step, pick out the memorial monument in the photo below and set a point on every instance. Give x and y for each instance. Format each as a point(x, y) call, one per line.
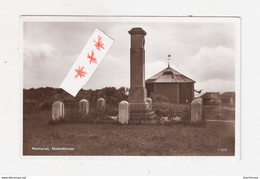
point(139, 107)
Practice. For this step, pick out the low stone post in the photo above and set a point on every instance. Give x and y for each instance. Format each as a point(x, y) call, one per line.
point(123, 112)
point(58, 112)
point(150, 104)
point(101, 105)
point(196, 110)
point(84, 106)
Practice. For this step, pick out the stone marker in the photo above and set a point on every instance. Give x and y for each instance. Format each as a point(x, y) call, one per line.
point(123, 112)
point(138, 93)
point(57, 111)
point(101, 105)
point(196, 110)
point(84, 106)
point(150, 104)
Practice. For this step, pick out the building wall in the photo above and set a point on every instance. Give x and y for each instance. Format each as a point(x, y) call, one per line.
point(186, 92)
point(169, 90)
point(175, 92)
point(150, 89)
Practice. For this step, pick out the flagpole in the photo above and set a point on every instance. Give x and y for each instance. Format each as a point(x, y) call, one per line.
point(169, 56)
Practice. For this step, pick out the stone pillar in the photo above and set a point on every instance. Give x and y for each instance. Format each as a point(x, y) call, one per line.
point(150, 104)
point(123, 112)
point(101, 105)
point(138, 93)
point(196, 110)
point(57, 111)
point(84, 106)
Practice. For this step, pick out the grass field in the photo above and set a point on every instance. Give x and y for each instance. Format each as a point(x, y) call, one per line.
point(211, 139)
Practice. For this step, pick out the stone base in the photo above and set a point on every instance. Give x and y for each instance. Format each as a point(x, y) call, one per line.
point(137, 95)
point(140, 116)
point(139, 107)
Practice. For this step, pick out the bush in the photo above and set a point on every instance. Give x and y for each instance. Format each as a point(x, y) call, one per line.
point(171, 110)
point(160, 98)
point(112, 110)
point(29, 107)
point(46, 106)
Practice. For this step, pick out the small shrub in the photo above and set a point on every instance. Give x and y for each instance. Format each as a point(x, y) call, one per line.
point(112, 110)
point(160, 98)
point(46, 106)
point(172, 111)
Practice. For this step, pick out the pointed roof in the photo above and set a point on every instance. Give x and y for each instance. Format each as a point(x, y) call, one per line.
point(169, 75)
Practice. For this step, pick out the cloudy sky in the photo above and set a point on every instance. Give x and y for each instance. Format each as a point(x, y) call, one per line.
point(201, 50)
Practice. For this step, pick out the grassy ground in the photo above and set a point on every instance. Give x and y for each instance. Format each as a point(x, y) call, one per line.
point(212, 139)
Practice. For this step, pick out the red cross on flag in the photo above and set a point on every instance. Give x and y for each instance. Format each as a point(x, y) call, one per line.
point(87, 62)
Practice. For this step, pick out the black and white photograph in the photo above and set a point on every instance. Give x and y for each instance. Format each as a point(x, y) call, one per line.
point(130, 86)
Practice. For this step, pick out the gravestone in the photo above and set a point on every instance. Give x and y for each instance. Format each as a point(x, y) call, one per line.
point(84, 106)
point(123, 112)
point(101, 105)
point(196, 110)
point(138, 93)
point(57, 111)
point(150, 104)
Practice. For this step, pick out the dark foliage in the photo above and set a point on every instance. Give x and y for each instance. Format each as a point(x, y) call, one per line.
point(160, 98)
point(163, 109)
point(42, 98)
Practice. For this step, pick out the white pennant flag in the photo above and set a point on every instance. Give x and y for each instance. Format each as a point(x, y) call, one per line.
point(87, 62)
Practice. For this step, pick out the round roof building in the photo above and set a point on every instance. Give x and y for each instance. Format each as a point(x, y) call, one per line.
point(171, 84)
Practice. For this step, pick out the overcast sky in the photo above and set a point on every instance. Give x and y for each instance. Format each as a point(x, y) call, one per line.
point(202, 51)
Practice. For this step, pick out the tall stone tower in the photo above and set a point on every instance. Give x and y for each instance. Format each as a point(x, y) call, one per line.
point(138, 93)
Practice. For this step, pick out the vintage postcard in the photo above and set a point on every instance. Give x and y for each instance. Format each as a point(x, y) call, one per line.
point(131, 86)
